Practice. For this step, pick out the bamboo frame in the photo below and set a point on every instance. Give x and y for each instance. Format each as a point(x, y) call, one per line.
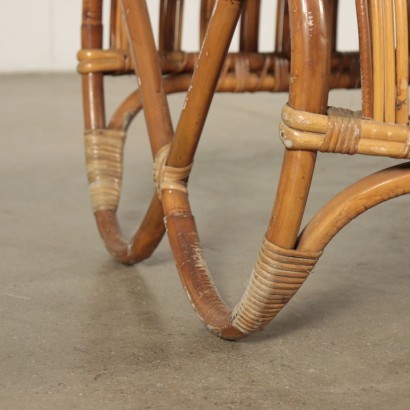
point(287, 254)
point(116, 60)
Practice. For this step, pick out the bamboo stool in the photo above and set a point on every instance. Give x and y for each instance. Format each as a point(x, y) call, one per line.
point(306, 63)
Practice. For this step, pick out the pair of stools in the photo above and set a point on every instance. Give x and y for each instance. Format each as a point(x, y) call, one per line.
point(306, 63)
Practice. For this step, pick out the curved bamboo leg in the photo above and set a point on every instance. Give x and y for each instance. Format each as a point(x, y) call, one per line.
point(353, 201)
point(336, 214)
point(181, 229)
point(280, 270)
point(349, 204)
point(309, 87)
point(104, 147)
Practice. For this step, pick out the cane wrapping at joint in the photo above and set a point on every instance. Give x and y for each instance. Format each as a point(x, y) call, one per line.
point(343, 131)
point(104, 153)
point(277, 276)
point(166, 177)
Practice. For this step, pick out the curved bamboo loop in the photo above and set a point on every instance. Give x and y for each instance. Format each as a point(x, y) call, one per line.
point(365, 194)
point(102, 151)
point(277, 276)
point(280, 270)
point(152, 229)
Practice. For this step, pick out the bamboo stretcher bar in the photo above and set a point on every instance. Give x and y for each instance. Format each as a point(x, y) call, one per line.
point(117, 61)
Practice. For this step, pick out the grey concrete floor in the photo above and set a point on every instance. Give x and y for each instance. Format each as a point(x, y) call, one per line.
point(80, 331)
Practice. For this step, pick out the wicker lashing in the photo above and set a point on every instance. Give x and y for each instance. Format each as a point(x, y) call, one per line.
point(104, 151)
point(166, 177)
point(276, 277)
point(343, 131)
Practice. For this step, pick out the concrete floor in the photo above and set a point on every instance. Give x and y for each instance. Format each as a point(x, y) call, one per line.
point(80, 331)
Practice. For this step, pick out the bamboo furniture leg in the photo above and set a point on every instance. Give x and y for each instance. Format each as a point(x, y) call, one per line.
point(280, 269)
point(383, 31)
point(284, 261)
point(104, 148)
point(179, 220)
point(105, 141)
point(309, 88)
point(306, 34)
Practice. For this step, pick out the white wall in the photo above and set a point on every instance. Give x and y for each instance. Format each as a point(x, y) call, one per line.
point(39, 35)
point(44, 35)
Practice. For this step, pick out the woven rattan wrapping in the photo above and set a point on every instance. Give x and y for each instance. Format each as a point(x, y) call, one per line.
point(343, 131)
point(277, 276)
point(104, 151)
point(166, 177)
